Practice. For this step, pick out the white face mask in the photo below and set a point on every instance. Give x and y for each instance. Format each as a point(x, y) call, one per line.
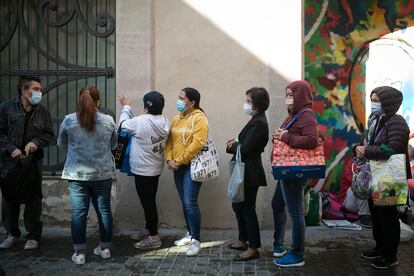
point(375, 107)
point(248, 108)
point(288, 101)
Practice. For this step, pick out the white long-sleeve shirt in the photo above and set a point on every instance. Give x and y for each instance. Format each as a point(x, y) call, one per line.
point(149, 136)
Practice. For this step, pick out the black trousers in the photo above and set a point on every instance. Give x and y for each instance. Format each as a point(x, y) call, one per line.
point(10, 212)
point(385, 228)
point(147, 187)
point(246, 216)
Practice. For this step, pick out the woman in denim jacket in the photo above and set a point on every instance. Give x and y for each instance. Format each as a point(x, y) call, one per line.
point(89, 136)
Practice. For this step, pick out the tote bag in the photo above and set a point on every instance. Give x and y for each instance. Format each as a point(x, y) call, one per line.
point(121, 152)
point(389, 181)
point(235, 188)
point(296, 163)
point(205, 165)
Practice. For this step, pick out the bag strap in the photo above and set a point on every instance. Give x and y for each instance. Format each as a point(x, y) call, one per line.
point(296, 116)
point(189, 119)
point(238, 154)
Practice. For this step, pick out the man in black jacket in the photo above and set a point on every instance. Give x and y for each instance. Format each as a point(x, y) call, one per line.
point(25, 130)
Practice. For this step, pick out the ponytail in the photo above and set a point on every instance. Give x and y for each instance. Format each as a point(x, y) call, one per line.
point(86, 108)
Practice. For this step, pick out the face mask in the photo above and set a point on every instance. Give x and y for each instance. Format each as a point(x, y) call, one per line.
point(288, 101)
point(35, 98)
point(375, 107)
point(180, 105)
point(248, 108)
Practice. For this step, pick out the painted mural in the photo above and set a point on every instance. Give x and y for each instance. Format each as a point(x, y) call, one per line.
point(350, 48)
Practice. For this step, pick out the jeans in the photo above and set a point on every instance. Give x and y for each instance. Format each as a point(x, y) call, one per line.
point(385, 229)
point(289, 193)
point(188, 191)
point(81, 193)
point(247, 222)
point(147, 191)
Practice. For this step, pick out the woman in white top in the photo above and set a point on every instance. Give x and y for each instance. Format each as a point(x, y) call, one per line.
point(146, 159)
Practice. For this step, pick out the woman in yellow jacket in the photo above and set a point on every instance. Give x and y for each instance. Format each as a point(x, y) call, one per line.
point(188, 134)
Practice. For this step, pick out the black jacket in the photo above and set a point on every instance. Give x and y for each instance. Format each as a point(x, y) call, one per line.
point(39, 129)
point(253, 139)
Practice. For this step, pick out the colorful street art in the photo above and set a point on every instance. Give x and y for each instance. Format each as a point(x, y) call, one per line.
point(349, 49)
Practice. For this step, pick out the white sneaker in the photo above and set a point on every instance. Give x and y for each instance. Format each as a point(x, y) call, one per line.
point(105, 253)
point(31, 244)
point(9, 242)
point(78, 259)
point(186, 240)
point(194, 248)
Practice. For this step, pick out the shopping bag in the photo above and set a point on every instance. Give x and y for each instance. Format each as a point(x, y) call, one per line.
point(121, 152)
point(295, 163)
point(235, 188)
point(205, 165)
point(361, 179)
point(389, 181)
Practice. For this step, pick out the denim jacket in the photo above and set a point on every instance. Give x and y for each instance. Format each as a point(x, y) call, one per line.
point(89, 156)
point(12, 121)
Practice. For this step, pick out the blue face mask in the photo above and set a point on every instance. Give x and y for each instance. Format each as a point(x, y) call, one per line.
point(180, 105)
point(375, 107)
point(35, 98)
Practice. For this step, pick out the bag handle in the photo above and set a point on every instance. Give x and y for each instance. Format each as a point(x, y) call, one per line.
point(189, 119)
point(238, 154)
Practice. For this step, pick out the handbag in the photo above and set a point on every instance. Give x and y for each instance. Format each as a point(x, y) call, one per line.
point(121, 152)
point(205, 164)
point(295, 163)
point(235, 187)
point(361, 179)
point(389, 181)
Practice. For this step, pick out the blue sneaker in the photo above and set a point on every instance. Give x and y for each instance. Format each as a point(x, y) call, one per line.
point(279, 251)
point(289, 260)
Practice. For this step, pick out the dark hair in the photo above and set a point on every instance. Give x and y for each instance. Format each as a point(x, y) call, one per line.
point(260, 98)
point(25, 82)
point(193, 95)
point(86, 108)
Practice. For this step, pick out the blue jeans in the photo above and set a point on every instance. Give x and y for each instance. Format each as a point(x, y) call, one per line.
point(81, 193)
point(188, 191)
point(289, 193)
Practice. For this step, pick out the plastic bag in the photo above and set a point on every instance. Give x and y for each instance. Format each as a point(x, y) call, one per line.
point(235, 188)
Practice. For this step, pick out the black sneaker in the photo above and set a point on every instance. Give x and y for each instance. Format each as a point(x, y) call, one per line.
point(371, 254)
point(384, 263)
point(365, 221)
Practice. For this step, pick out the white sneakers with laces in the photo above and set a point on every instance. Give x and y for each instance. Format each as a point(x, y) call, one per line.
point(103, 253)
point(78, 258)
point(9, 242)
point(194, 249)
point(186, 240)
point(31, 244)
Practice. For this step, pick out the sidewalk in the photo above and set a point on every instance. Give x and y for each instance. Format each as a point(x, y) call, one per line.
point(328, 252)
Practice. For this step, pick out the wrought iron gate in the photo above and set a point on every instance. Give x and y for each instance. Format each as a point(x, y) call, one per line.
point(68, 44)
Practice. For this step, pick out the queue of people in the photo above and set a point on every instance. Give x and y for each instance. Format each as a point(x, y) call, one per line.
point(89, 136)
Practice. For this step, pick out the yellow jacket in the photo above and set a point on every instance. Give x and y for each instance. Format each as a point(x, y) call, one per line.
point(195, 139)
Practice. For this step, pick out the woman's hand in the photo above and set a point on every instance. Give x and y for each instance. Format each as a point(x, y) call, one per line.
point(172, 165)
point(123, 100)
point(230, 142)
point(360, 152)
point(278, 133)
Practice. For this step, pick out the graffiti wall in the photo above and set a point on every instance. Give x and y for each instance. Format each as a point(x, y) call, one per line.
point(350, 48)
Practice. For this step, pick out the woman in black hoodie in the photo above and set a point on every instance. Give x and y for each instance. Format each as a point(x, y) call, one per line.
point(386, 134)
